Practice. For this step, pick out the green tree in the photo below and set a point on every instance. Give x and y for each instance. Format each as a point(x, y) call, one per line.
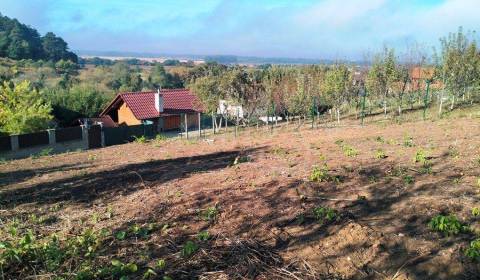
point(159, 78)
point(22, 110)
point(337, 86)
point(55, 48)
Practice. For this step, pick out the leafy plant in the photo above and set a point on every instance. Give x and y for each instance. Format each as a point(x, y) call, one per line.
point(408, 141)
point(189, 249)
point(408, 179)
point(43, 153)
point(161, 264)
point(349, 151)
point(121, 235)
point(323, 214)
point(473, 251)
point(476, 211)
point(142, 139)
point(380, 154)
point(203, 236)
point(448, 225)
point(421, 157)
point(320, 174)
point(209, 214)
point(380, 139)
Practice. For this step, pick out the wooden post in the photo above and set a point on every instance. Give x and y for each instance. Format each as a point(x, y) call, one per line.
point(214, 120)
point(199, 125)
point(236, 124)
point(186, 125)
point(226, 124)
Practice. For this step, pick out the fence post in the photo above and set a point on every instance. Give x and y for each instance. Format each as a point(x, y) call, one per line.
point(186, 125)
point(425, 101)
point(14, 143)
point(214, 120)
point(85, 136)
point(51, 136)
point(199, 125)
point(102, 134)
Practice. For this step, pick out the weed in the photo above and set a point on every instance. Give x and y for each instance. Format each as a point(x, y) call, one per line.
point(140, 139)
point(473, 251)
point(121, 270)
point(476, 211)
point(92, 157)
point(421, 157)
point(209, 214)
point(453, 152)
point(380, 154)
point(160, 137)
point(478, 182)
point(323, 214)
point(408, 141)
point(203, 236)
point(241, 159)
point(320, 174)
point(408, 179)
point(448, 225)
point(43, 153)
point(2, 161)
point(161, 264)
point(349, 151)
point(189, 249)
point(121, 235)
point(380, 139)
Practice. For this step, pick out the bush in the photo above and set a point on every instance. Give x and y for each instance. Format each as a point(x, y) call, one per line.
point(323, 214)
point(473, 251)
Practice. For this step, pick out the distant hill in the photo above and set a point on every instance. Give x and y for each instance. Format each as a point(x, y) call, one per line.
point(223, 59)
point(20, 41)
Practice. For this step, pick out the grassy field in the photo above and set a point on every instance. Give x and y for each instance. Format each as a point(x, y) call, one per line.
point(383, 201)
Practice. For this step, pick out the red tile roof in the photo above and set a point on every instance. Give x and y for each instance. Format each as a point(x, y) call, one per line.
point(142, 104)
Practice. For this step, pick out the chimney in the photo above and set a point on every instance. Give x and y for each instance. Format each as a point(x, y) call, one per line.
point(159, 101)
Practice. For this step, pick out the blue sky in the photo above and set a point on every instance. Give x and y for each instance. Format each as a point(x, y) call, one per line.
point(334, 29)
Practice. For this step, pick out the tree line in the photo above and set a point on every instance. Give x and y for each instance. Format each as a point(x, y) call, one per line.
point(19, 41)
point(58, 93)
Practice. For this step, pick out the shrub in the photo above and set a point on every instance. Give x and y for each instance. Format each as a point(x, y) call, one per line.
point(448, 225)
point(407, 179)
point(349, 151)
point(475, 211)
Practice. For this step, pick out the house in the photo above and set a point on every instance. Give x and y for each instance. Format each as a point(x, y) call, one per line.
point(419, 76)
point(165, 108)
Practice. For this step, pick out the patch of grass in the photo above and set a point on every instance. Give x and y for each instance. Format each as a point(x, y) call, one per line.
point(43, 153)
point(453, 152)
point(447, 225)
point(92, 157)
point(141, 139)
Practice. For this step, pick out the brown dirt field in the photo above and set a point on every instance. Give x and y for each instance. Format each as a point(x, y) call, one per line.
point(265, 228)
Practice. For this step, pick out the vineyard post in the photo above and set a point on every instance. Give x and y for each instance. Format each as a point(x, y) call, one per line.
point(363, 93)
point(425, 100)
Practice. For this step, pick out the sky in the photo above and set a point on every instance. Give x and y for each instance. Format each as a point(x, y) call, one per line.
point(323, 29)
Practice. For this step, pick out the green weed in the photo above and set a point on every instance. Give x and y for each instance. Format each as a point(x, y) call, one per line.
point(323, 214)
point(320, 174)
point(448, 225)
point(408, 141)
point(209, 214)
point(189, 249)
point(203, 236)
point(473, 251)
point(380, 154)
point(475, 211)
point(140, 139)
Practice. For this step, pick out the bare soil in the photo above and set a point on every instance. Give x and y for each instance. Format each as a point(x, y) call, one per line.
point(265, 227)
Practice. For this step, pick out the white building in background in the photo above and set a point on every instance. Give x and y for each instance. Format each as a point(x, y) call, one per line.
point(230, 109)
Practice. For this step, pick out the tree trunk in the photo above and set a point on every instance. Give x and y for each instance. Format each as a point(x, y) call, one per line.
point(338, 115)
point(440, 106)
point(453, 103)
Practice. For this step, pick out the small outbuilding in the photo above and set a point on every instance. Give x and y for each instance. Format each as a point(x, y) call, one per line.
point(165, 108)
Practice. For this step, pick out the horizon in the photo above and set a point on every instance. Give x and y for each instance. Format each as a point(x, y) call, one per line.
point(305, 29)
